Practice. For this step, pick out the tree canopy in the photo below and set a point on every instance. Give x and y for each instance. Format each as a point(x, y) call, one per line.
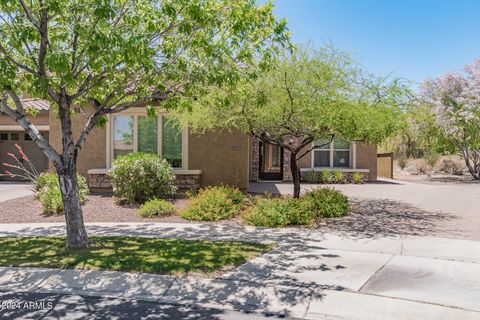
point(307, 95)
point(118, 54)
point(453, 102)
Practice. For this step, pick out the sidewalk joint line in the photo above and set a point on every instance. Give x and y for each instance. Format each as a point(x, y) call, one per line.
point(376, 272)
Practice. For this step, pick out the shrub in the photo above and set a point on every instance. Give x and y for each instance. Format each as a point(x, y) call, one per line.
point(451, 165)
point(431, 158)
point(278, 212)
point(418, 166)
point(337, 177)
point(139, 177)
point(156, 207)
point(357, 177)
point(47, 190)
point(213, 204)
point(326, 176)
point(326, 202)
point(313, 176)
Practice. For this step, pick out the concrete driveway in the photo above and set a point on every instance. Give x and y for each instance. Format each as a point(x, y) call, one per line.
point(392, 207)
point(12, 189)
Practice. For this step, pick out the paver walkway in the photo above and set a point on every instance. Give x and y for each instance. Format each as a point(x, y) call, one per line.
point(311, 275)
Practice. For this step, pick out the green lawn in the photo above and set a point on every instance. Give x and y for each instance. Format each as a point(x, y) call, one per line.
point(138, 254)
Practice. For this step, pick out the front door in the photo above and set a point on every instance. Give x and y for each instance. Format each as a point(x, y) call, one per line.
point(271, 162)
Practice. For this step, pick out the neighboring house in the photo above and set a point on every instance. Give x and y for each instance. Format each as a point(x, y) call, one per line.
point(218, 157)
point(11, 134)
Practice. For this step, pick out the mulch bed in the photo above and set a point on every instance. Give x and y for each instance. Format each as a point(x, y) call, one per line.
point(98, 208)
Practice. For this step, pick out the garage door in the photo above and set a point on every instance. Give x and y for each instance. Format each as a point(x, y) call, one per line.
point(8, 139)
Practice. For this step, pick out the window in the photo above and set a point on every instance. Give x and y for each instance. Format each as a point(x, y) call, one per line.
point(27, 137)
point(3, 136)
point(14, 136)
point(336, 154)
point(122, 135)
point(321, 155)
point(141, 133)
point(172, 142)
point(147, 134)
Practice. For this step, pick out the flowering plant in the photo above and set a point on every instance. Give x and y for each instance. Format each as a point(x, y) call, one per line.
point(22, 164)
point(454, 101)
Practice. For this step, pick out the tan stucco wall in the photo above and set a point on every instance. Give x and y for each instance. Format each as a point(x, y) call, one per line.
point(40, 119)
point(93, 154)
point(222, 155)
point(367, 159)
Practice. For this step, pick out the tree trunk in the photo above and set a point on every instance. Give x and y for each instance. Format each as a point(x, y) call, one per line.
point(76, 234)
point(473, 169)
point(295, 175)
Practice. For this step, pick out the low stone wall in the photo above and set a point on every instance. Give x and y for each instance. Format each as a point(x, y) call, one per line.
point(187, 181)
point(101, 182)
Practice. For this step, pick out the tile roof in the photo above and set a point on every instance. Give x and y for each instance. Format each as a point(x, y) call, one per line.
point(36, 103)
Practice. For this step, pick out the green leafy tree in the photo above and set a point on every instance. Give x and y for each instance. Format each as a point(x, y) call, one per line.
point(119, 54)
point(307, 95)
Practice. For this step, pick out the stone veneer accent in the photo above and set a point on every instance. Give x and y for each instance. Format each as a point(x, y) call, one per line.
point(255, 159)
point(187, 181)
point(102, 182)
point(287, 173)
point(99, 181)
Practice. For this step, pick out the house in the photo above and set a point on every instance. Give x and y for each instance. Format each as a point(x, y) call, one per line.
point(218, 157)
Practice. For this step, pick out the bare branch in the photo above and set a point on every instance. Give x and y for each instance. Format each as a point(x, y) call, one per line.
point(15, 62)
point(43, 29)
point(29, 14)
point(315, 147)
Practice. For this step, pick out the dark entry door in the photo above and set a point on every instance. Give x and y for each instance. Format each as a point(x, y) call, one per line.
point(271, 162)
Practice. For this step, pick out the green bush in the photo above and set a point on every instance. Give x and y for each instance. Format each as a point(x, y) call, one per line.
point(357, 177)
point(156, 207)
point(278, 212)
point(213, 204)
point(326, 202)
point(337, 177)
point(47, 191)
point(139, 177)
point(313, 176)
point(326, 176)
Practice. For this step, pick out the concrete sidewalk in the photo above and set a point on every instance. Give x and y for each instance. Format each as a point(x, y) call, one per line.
point(311, 275)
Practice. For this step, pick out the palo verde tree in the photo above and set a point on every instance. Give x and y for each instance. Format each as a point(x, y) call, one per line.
point(453, 101)
point(117, 54)
point(307, 95)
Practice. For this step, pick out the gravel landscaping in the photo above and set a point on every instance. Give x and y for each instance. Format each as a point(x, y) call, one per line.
point(98, 208)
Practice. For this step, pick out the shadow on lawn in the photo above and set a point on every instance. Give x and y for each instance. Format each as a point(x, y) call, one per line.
point(371, 218)
point(185, 231)
point(271, 284)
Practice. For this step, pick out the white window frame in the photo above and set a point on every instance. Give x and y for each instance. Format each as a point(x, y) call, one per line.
point(142, 112)
point(352, 155)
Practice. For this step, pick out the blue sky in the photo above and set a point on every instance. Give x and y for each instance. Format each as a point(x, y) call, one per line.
point(413, 39)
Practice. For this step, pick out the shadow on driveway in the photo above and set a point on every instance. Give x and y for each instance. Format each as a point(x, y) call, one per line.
point(370, 218)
